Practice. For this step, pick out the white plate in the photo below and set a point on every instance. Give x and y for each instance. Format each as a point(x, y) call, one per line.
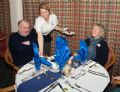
point(69, 33)
point(54, 68)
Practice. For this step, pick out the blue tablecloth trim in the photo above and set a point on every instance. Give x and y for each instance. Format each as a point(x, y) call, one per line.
point(35, 85)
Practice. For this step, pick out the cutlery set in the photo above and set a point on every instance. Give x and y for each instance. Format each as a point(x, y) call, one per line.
point(25, 70)
point(78, 86)
point(28, 77)
point(67, 82)
point(52, 86)
point(93, 65)
point(80, 75)
point(97, 73)
point(76, 75)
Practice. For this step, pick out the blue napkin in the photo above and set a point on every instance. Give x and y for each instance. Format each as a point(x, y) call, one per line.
point(82, 53)
point(62, 51)
point(35, 85)
point(39, 60)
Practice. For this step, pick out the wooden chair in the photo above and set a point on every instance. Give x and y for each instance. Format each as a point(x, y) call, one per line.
point(9, 60)
point(3, 39)
point(8, 89)
point(111, 59)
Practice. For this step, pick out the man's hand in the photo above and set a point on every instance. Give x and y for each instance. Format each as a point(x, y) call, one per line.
point(26, 42)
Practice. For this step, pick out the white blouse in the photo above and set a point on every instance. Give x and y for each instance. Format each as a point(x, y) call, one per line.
point(46, 27)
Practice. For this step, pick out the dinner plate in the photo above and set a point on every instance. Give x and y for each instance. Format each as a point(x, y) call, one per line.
point(69, 33)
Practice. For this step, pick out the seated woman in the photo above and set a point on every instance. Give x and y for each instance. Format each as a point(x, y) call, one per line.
point(97, 47)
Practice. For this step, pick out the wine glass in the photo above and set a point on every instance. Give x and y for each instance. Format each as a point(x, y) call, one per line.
point(67, 70)
point(37, 68)
point(83, 63)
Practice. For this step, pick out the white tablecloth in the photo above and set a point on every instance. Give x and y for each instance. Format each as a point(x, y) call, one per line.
point(89, 80)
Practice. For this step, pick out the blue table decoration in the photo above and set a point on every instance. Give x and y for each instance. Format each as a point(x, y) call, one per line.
point(62, 51)
point(82, 53)
point(39, 60)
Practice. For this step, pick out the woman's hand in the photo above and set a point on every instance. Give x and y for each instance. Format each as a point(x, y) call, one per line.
point(40, 43)
point(116, 78)
point(40, 52)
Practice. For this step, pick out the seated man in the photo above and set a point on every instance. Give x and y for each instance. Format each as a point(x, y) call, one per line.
point(20, 44)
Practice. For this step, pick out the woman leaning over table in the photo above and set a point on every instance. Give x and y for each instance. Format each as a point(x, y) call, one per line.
point(97, 47)
point(44, 25)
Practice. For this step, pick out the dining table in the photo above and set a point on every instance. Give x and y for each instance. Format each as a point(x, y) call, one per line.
point(90, 77)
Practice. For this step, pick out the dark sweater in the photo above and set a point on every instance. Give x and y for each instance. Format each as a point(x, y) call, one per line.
point(21, 53)
point(102, 51)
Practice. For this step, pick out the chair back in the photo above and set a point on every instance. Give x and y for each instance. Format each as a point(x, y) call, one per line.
point(111, 59)
point(3, 43)
point(8, 89)
point(9, 60)
point(8, 56)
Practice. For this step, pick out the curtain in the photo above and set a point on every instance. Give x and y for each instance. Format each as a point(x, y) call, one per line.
point(5, 24)
point(80, 16)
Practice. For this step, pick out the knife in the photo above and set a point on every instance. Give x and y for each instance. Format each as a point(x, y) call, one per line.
point(98, 74)
point(61, 87)
point(93, 65)
point(76, 75)
point(25, 70)
point(51, 86)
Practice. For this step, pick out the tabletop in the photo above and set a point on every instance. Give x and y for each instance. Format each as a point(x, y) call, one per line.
point(91, 77)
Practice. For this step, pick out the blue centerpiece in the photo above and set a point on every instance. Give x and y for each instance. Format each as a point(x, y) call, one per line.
point(62, 51)
point(82, 53)
point(39, 60)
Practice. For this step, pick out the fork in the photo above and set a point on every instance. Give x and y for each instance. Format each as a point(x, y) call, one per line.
point(80, 75)
point(78, 86)
point(76, 75)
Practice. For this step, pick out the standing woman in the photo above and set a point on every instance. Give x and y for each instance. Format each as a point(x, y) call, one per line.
point(97, 47)
point(44, 25)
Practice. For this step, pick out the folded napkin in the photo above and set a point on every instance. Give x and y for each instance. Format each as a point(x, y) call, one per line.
point(62, 51)
point(35, 85)
point(39, 60)
point(82, 53)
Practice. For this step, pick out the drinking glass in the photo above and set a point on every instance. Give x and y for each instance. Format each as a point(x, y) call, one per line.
point(83, 63)
point(37, 68)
